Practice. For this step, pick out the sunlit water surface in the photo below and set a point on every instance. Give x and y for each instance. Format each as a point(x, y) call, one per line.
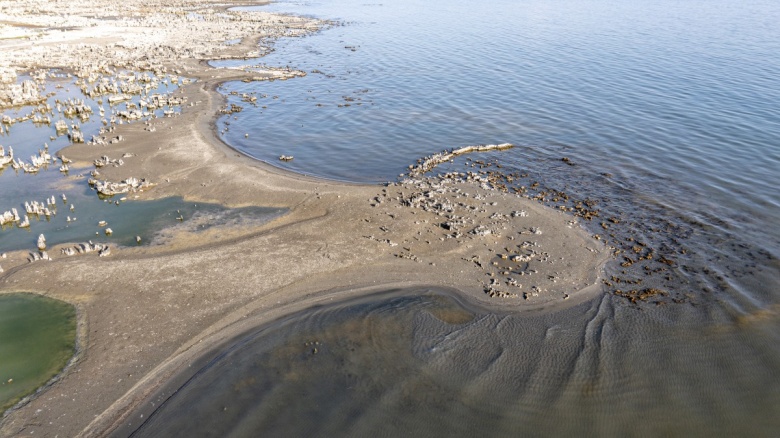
point(667, 112)
point(420, 363)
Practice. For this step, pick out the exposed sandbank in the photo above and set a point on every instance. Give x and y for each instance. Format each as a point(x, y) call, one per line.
point(148, 311)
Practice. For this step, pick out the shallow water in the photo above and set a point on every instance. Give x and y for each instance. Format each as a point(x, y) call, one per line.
point(76, 219)
point(83, 206)
point(666, 112)
point(152, 221)
point(36, 334)
point(37, 338)
point(420, 363)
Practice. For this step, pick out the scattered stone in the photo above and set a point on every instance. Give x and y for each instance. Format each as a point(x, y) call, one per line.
point(105, 161)
point(107, 188)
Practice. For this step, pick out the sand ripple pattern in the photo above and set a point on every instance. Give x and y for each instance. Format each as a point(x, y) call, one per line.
point(424, 365)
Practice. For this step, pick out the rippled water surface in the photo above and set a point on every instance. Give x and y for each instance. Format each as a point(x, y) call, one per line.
point(417, 363)
point(667, 113)
point(680, 90)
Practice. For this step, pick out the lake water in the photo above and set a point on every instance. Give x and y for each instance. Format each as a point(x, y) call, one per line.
point(421, 363)
point(37, 338)
point(76, 217)
point(667, 112)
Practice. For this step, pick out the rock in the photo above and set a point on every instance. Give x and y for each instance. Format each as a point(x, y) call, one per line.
point(6, 218)
point(76, 136)
point(7, 75)
point(61, 127)
point(13, 94)
point(108, 188)
point(429, 163)
point(105, 161)
point(6, 158)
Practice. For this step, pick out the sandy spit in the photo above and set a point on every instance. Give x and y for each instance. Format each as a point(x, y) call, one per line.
point(147, 312)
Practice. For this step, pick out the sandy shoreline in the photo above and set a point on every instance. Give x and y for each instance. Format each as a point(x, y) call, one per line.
point(146, 312)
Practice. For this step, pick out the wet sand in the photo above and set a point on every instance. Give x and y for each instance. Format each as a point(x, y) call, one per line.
point(145, 313)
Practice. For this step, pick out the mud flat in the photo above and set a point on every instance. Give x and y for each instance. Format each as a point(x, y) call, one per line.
point(147, 312)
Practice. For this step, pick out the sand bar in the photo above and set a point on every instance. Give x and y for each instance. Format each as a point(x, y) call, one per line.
point(147, 312)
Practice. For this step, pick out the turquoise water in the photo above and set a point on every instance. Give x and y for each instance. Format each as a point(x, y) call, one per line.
point(668, 111)
point(37, 335)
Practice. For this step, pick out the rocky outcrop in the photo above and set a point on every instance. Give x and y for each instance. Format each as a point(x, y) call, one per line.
point(429, 163)
point(108, 188)
point(14, 94)
point(6, 158)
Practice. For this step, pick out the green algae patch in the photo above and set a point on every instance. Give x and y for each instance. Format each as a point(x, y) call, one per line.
point(37, 338)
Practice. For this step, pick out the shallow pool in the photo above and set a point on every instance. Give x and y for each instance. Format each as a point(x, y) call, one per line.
point(37, 338)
